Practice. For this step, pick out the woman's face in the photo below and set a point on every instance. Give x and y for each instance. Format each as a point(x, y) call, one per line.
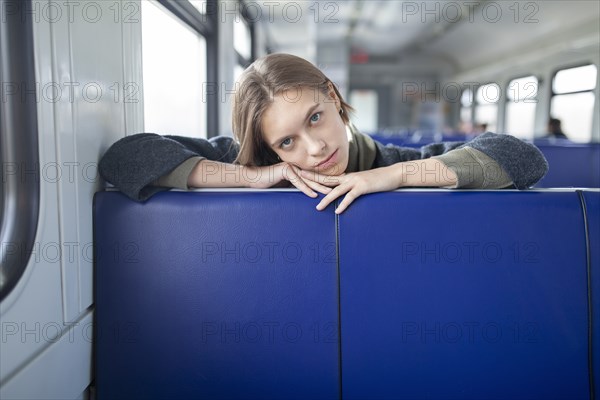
point(305, 129)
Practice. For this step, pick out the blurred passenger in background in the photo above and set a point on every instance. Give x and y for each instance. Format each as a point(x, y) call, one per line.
point(555, 129)
point(479, 129)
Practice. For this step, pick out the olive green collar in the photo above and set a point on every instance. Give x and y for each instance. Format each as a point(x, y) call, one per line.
point(362, 150)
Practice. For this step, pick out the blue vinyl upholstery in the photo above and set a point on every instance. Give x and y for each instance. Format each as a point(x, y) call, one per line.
point(464, 295)
point(214, 295)
point(571, 165)
point(436, 294)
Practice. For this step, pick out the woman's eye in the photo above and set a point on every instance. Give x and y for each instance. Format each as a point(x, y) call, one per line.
point(286, 142)
point(315, 117)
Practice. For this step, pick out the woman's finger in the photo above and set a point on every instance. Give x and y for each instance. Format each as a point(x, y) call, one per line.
point(313, 185)
point(334, 194)
point(291, 175)
point(348, 199)
point(327, 180)
point(317, 186)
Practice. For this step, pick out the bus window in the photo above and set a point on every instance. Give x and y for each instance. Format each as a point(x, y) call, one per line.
point(573, 101)
point(174, 70)
point(521, 100)
point(486, 106)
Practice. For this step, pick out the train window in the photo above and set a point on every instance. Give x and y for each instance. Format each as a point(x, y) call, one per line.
point(174, 70)
point(486, 106)
point(366, 104)
point(575, 80)
point(466, 110)
point(521, 100)
point(237, 71)
point(573, 101)
point(242, 42)
point(243, 38)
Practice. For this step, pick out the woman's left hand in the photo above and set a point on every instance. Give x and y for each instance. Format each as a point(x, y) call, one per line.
point(354, 185)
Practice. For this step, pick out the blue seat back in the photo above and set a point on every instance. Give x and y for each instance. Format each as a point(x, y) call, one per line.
point(407, 294)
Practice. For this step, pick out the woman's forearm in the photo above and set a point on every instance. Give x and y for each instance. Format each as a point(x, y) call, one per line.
point(428, 172)
point(219, 175)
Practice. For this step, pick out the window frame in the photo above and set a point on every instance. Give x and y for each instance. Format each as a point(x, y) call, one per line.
point(19, 198)
point(471, 106)
point(498, 103)
point(508, 99)
point(554, 94)
point(241, 60)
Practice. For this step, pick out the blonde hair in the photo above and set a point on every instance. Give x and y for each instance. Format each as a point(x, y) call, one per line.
point(256, 88)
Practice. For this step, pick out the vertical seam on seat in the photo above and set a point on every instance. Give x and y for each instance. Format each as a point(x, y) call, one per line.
point(589, 294)
point(339, 300)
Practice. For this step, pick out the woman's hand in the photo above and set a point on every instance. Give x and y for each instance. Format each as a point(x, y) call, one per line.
point(269, 176)
point(353, 185)
point(429, 172)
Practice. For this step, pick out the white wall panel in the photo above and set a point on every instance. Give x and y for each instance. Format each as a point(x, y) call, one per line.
point(84, 60)
point(36, 302)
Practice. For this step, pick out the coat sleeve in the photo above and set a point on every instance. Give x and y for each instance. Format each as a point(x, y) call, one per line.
point(522, 162)
point(134, 163)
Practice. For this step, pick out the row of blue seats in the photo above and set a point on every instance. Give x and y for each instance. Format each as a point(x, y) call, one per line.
point(571, 164)
point(408, 294)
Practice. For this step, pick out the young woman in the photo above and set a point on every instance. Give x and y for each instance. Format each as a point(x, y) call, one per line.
point(292, 127)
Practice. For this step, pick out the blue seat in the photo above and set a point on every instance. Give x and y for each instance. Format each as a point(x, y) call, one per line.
point(215, 295)
point(571, 164)
point(464, 295)
point(407, 294)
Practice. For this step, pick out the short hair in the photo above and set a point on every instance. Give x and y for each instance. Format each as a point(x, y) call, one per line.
point(554, 122)
point(256, 88)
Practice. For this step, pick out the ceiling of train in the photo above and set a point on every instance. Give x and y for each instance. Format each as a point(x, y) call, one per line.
point(465, 32)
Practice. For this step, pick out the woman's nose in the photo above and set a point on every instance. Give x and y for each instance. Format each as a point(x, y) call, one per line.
point(315, 146)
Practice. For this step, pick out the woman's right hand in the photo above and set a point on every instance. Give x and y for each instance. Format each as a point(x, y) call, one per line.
point(271, 175)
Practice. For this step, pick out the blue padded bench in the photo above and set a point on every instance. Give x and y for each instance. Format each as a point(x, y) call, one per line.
point(408, 294)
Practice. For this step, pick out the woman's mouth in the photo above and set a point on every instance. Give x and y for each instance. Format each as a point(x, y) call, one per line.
point(331, 160)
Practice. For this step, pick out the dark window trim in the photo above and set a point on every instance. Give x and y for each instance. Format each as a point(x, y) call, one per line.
point(207, 26)
point(20, 192)
point(204, 24)
point(577, 92)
